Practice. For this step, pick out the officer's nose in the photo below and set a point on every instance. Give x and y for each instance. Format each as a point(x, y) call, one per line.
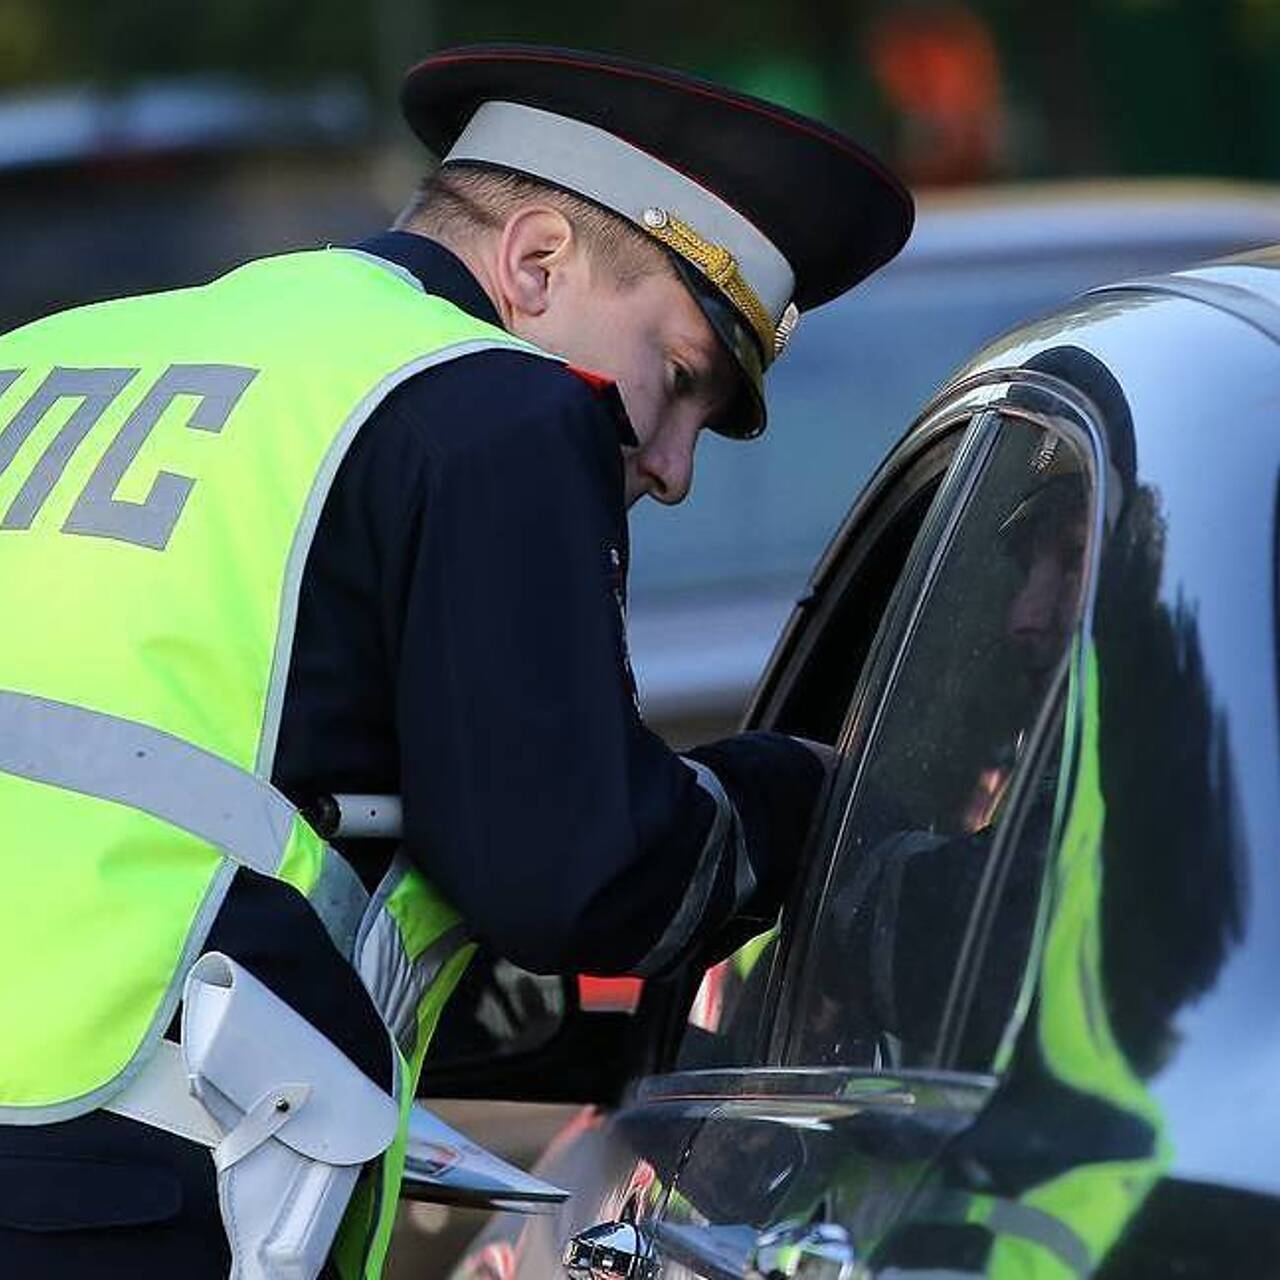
point(666, 466)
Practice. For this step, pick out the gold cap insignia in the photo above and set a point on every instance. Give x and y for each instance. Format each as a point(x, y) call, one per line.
point(720, 267)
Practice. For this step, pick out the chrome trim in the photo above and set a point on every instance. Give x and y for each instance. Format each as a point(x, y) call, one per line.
point(1232, 299)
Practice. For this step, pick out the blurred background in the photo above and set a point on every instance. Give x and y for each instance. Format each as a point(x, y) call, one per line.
point(1052, 146)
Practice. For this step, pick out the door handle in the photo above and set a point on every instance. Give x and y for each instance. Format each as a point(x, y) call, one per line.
point(610, 1251)
point(805, 1251)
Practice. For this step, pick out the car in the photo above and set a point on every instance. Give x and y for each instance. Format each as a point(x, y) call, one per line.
point(712, 586)
point(1017, 1017)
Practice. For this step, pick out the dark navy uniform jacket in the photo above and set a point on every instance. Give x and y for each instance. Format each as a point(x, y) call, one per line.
point(460, 642)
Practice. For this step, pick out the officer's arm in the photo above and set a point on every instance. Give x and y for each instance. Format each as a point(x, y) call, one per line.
point(568, 835)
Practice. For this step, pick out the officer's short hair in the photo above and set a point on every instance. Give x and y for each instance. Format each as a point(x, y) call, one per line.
point(459, 198)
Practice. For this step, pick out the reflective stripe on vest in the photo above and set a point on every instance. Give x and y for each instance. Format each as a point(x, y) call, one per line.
point(396, 961)
point(163, 464)
point(241, 814)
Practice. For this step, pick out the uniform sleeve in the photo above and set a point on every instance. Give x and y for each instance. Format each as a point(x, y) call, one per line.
point(568, 835)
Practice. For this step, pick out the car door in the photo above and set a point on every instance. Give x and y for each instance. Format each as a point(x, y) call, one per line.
point(888, 1014)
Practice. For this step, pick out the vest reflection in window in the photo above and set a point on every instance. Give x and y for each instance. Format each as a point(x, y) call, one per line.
point(948, 767)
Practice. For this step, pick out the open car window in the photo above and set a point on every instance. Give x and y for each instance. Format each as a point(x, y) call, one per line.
point(808, 694)
point(969, 678)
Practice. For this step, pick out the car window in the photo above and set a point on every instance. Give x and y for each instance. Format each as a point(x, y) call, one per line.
point(810, 698)
point(724, 1019)
point(967, 685)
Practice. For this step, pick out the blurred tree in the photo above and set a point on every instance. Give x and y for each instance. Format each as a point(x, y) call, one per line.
point(24, 38)
point(1085, 86)
point(1143, 86)
point(122, 39)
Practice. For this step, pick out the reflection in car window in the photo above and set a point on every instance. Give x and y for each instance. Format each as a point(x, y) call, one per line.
point(955, 723)
point(1003, 943)
point(724, 1018)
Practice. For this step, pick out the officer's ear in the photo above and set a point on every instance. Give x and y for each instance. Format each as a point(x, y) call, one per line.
point(536, 251)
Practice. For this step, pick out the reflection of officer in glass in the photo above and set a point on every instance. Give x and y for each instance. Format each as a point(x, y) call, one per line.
point(908, 907)
point(1045, 537)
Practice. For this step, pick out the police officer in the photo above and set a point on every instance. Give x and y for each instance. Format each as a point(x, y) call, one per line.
point(354, 521)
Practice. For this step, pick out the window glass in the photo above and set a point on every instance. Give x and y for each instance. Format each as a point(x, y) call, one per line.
point(972, 679)
point(724, 1026)
point(724, 1019)
point(1003, 935)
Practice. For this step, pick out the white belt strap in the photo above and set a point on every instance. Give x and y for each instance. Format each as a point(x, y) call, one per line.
point(160, 1096)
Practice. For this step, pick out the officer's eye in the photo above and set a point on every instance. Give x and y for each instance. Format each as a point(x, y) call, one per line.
point(682, 382)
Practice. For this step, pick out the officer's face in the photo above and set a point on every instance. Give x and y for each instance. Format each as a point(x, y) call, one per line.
point(648, 335)
point(673, 375)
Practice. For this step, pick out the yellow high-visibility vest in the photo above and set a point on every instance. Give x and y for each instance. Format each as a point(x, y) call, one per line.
point(163, 463)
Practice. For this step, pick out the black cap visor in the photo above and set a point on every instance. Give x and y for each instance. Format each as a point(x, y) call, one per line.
point(744, 417)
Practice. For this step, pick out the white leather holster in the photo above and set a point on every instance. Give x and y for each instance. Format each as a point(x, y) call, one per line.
point(299, 1120)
